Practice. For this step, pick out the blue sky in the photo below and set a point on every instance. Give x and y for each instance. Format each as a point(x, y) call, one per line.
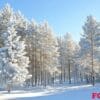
point(63, 15)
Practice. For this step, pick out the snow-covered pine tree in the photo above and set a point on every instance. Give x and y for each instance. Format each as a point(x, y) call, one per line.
point(89, 47)
point(68, 49)
point(61, 58)
point(66, 59)
point(49, 53)
point(33, 47)
point(16, 62)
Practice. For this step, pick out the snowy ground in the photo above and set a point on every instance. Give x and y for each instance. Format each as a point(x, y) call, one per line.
point(82, 92)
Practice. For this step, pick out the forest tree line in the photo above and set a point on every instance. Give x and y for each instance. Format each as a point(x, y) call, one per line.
point(32, 54)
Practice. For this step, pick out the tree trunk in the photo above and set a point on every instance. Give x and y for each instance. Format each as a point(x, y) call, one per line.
point(69, 72)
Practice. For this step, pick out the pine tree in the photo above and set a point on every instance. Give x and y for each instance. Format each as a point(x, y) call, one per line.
point(69, 48)
point(66, 58)
point(16, 62)
point(89, 47)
